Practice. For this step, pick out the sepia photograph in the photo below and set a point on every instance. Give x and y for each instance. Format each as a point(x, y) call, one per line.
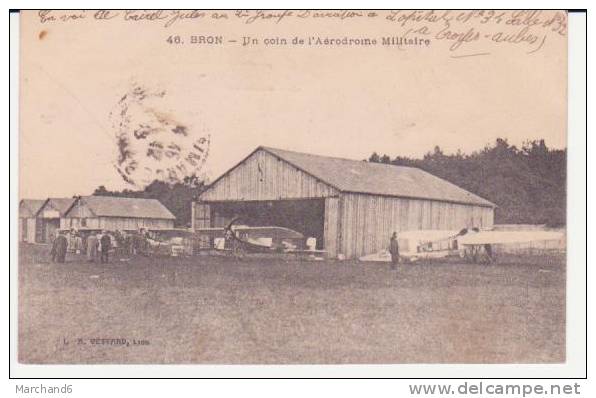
point(292, 187)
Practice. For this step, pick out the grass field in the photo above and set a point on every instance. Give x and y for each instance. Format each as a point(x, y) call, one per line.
point(268, 310)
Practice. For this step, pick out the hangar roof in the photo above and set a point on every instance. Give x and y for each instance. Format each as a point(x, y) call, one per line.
point(61, 205)
point(28, 208)
point(378, 179)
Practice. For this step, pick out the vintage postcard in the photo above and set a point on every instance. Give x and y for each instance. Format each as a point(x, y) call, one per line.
point(292, 187)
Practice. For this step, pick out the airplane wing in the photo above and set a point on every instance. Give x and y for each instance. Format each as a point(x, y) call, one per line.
point(255, 232)
point(503, 237)
point(212, 232)
point(305, 251)
point(428, 235)
point(269, 232)
point(381, 256)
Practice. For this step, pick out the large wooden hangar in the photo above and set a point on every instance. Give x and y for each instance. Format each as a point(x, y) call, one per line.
point(351, 207)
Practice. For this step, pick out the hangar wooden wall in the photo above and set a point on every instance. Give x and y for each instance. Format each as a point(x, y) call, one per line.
point(332, 227)
point(115, 223)
point(263, 176)
point(355, 224)
point(366, 222)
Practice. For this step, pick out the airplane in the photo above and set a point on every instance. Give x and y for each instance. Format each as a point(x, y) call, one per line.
point(173, 242)
point(257, 239)
point(420, 244)
point(478, 245)
point(473, 245)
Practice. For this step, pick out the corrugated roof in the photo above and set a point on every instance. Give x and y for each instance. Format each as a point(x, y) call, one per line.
point(375, 178)
point(111, 206)
point(28, 208)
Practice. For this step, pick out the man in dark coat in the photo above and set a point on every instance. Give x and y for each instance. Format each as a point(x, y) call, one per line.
point(59, 247)
point(106, 245)
point(394, 250)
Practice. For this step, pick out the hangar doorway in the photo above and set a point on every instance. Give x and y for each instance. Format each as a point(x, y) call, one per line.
point(306, 216)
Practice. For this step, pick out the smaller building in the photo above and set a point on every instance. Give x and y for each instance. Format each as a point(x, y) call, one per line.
point(28, 209)
point(48, 218)
point(117, 214)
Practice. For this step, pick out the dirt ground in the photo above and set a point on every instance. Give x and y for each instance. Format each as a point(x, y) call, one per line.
point(219, 310)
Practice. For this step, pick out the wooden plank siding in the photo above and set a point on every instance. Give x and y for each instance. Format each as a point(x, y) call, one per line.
point(27, 229)
point(201, 218)
point(201, 215)
point(331, 227)
point(264, 177)
point(367, 221)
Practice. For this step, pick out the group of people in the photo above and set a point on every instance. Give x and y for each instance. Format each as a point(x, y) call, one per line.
point(75, 242)
point(66, 242)
point(98, 246)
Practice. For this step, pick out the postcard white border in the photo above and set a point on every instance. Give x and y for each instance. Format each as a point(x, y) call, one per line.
point(576, 273)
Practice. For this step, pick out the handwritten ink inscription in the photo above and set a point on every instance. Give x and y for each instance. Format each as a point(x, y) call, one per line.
point(466, 33)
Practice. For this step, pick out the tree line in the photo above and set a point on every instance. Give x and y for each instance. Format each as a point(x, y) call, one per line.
point(528, 184)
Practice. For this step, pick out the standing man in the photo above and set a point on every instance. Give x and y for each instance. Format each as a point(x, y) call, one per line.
point(141, 245)
point(488, 249)
point(59, 247)
point(92, 244)
point(394, 250)
point(106, 245)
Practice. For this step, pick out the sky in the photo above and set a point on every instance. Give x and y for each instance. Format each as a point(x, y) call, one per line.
point(328, 100)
